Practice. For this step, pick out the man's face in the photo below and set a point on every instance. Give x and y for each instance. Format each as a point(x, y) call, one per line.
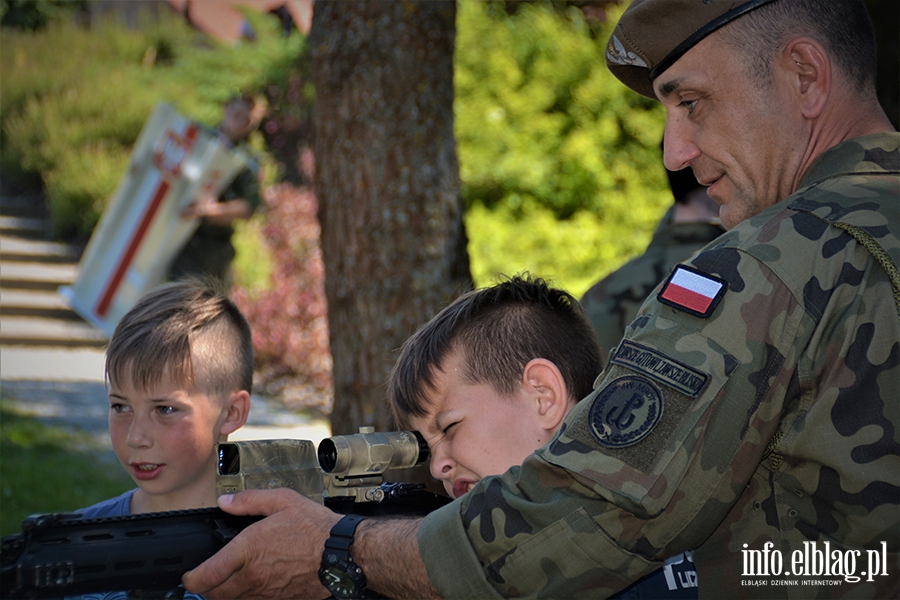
point(741, 139)
point(165, 438)
point(472, 431)
point(236, 121)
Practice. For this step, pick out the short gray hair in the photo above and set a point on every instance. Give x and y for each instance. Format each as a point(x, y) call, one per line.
point(843, 27)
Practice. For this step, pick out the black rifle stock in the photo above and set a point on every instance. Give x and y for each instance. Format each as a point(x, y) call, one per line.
point(59, 555)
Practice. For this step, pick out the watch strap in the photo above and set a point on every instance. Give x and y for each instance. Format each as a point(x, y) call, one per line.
point(336, 559)
point(341, 535)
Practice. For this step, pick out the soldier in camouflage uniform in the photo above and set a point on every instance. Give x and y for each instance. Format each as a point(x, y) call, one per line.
point(751, 411)
point(692, 222)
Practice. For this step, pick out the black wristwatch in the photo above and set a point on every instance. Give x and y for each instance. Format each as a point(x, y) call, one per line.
point(343, 577)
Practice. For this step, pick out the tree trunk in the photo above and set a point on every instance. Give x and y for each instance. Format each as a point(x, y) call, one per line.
point(387, 179)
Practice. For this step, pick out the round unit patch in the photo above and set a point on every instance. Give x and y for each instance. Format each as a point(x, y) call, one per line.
point(625, 412)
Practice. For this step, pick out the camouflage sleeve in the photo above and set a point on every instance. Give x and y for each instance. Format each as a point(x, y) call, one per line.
point(655, 460)
point(652, 461)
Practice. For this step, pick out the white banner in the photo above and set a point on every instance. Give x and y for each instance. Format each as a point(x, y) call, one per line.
point(140, 232)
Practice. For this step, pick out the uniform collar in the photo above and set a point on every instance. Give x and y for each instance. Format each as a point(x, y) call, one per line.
point(875, 154)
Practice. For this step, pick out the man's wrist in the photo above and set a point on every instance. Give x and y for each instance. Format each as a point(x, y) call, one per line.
point(398, 573)
point(338, 572)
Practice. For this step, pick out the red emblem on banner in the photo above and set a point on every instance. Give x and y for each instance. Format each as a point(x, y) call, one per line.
point(171, 152)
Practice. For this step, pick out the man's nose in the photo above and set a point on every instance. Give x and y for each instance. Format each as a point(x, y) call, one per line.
point(678, 146)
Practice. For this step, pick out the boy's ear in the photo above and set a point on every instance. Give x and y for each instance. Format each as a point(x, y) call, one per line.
point(237, 409)
point(543, 380)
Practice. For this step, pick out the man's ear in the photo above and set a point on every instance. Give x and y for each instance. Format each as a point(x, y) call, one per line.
point(809, 69)
point(237, 409)
point(546, 387)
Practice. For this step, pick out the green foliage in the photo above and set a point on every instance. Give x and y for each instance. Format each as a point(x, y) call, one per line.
point(49, 469)
point(252, 261)
point(35, 14)
point(544, 130)
point(572, 253)
point(73, 100)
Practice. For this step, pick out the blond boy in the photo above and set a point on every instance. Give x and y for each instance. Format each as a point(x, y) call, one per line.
point(179, 370)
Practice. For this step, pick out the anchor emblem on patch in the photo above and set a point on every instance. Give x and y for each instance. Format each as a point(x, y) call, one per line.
point(625, 412)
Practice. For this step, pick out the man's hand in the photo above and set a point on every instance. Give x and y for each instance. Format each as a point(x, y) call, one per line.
point(218, 213)
point(277, 557)
point(205, 205)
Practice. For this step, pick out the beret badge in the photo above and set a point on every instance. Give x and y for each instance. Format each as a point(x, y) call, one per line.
point(616, 54)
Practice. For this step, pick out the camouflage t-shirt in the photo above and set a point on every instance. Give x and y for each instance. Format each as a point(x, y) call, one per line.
point(751, 414)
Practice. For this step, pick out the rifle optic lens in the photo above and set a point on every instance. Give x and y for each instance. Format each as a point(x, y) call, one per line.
point(229, 459)
point(327, 455)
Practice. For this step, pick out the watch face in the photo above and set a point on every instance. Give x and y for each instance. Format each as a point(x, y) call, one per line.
point(338, 581)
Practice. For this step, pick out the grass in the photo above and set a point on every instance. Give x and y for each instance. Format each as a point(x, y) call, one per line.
point(50, 469)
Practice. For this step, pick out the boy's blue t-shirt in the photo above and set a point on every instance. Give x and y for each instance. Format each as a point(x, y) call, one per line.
point(114, 507)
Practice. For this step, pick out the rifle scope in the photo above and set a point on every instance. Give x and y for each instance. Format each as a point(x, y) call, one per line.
point(367, 453)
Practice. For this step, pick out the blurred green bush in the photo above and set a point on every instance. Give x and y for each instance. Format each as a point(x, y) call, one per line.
point(74, 99)
point(560, 163)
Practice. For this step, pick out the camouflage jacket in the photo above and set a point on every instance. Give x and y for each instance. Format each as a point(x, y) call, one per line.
point(762, 431)
point(613, 302)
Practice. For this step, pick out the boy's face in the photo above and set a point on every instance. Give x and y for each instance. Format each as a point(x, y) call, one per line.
point(165, 438)
point(472, 431)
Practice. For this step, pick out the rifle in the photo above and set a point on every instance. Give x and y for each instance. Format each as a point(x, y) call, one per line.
point(61, 554)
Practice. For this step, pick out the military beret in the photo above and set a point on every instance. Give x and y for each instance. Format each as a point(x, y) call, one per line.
point(653, 34)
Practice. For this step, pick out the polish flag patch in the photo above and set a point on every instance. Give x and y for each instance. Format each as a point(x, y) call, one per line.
point(692, 291)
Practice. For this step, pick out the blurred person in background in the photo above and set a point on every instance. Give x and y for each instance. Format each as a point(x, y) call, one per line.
point(210, 251)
